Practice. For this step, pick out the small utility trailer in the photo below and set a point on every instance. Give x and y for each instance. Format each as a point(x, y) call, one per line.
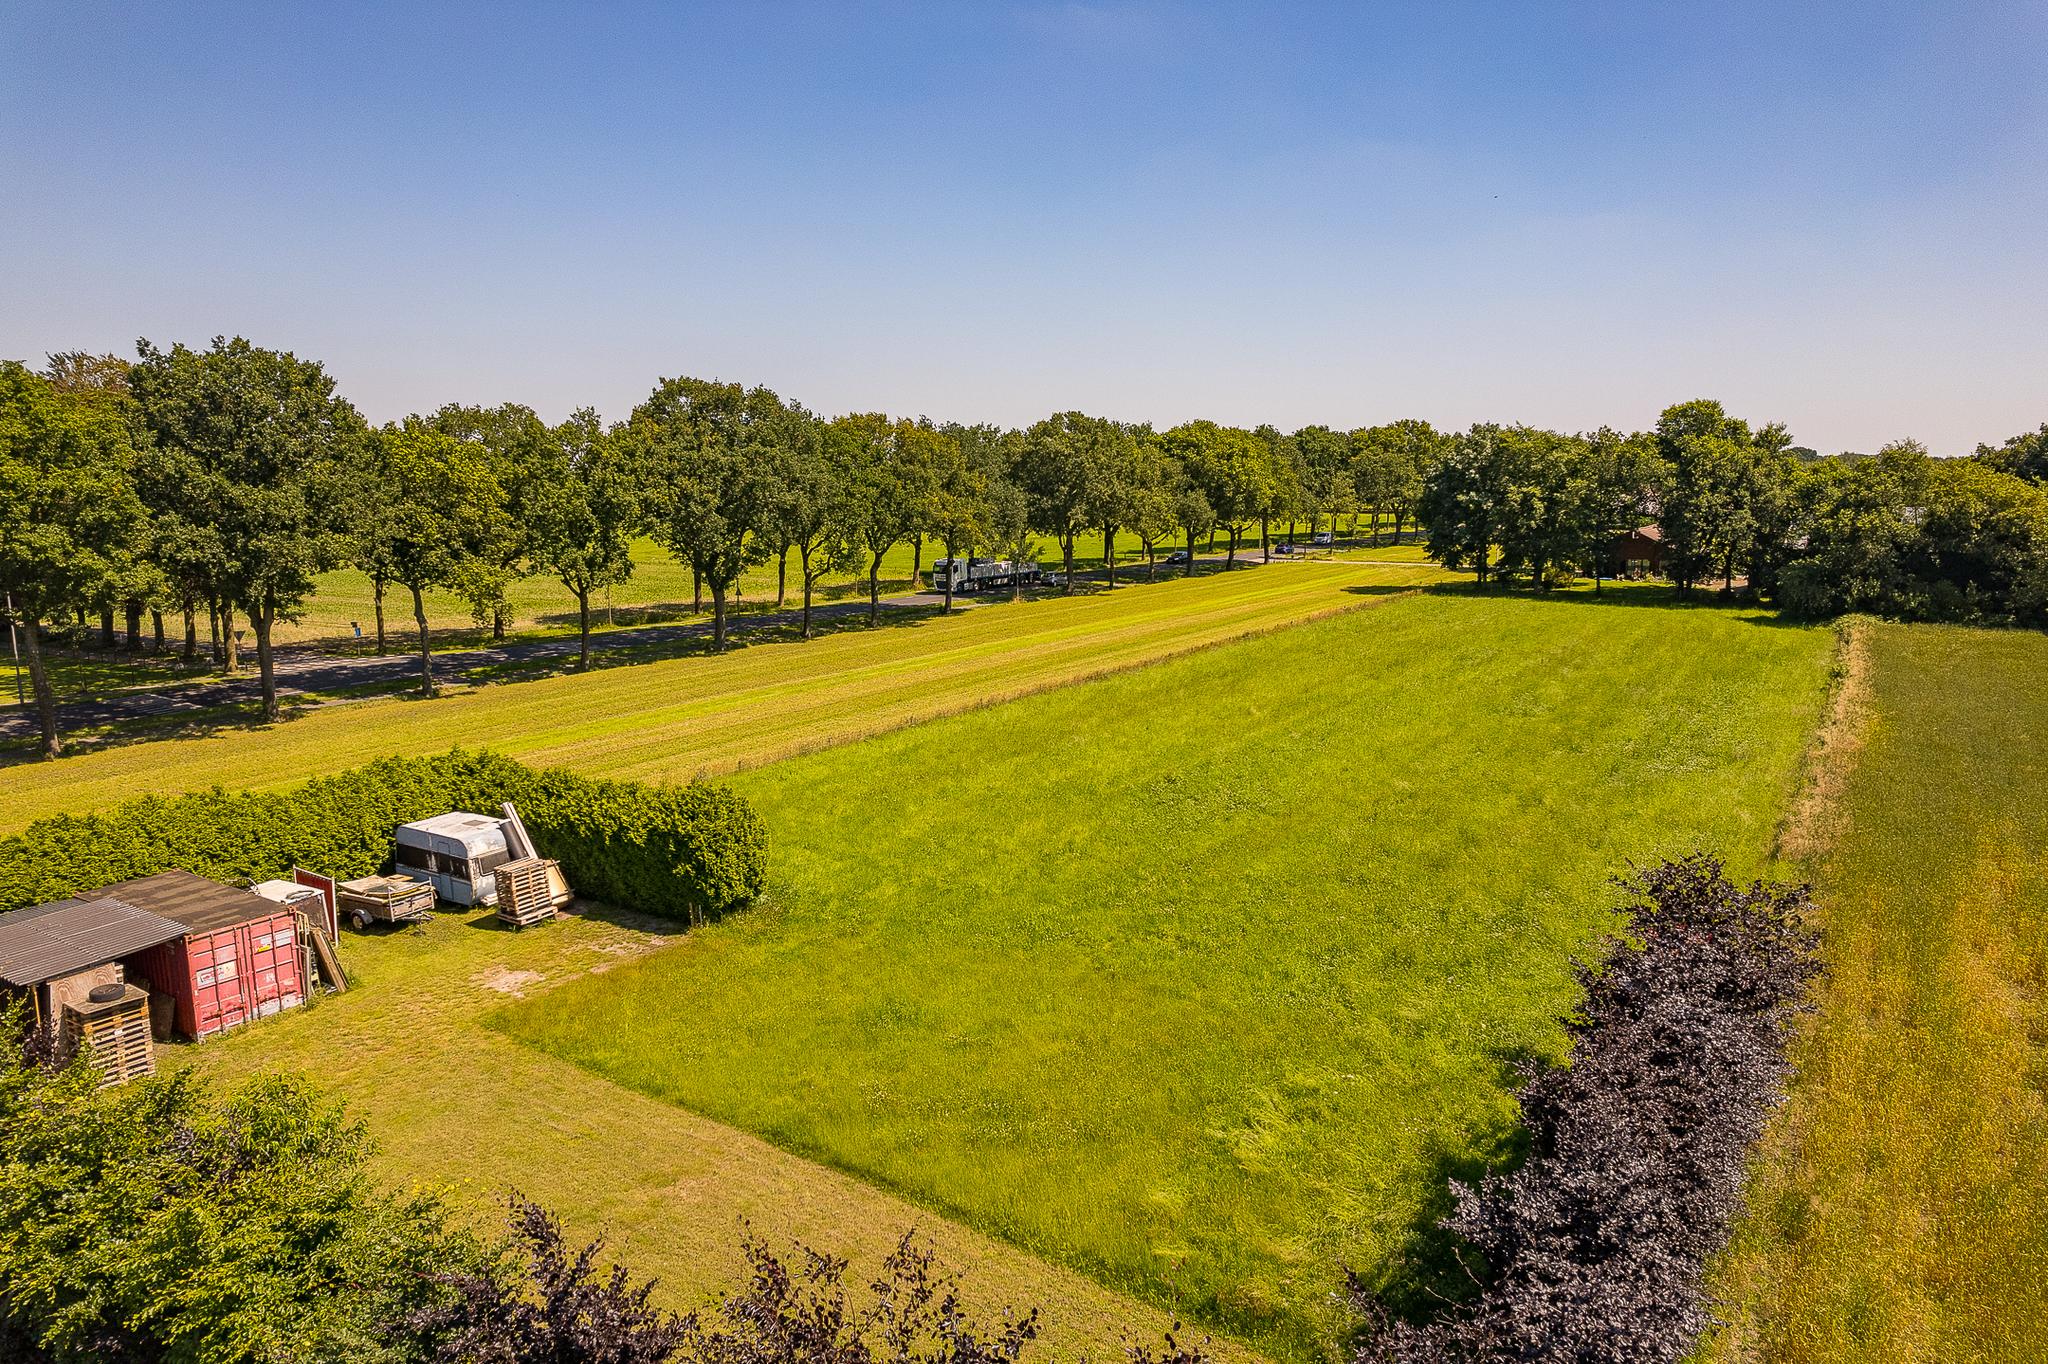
point(975, 575)
point(385, 900)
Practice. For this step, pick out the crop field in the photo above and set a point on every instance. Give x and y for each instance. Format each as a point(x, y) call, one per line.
point(763, 700)
point(1200, 980)
point(1897, 1209)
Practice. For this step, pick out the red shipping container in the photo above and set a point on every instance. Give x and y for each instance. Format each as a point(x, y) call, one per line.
point(239, 959)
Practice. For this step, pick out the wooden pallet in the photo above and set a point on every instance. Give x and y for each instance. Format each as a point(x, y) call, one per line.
point(112, 1036)
point(530, 890)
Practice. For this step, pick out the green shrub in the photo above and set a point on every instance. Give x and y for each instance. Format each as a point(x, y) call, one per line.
point(681, 851)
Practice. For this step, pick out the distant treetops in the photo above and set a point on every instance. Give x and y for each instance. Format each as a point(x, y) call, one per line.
point(211, 482)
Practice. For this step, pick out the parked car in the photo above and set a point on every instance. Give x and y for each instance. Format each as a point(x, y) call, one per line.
point(1322, 537)
point(1287, 548)
point(1180, 556)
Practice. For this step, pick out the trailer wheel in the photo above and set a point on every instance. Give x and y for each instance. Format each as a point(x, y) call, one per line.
point(359, 919)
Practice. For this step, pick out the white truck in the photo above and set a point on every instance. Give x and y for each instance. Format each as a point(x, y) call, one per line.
point(975, 575)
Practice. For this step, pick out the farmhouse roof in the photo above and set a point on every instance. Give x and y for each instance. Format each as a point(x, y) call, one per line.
point(56, 939)
point(192, 902)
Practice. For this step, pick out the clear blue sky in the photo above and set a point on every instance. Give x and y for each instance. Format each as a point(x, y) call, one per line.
point(1562, 214)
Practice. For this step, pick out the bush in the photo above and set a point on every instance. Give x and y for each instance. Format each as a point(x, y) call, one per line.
point(682, 851)
point(162, 1221)
point(1638, 1147)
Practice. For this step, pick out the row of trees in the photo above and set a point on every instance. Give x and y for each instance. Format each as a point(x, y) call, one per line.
point(1898, 533)
point(220, 483)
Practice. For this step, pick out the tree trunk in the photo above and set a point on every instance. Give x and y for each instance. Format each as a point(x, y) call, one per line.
point(213, 629)
point(1190, 572)
point(1265, 547)
point(419, 616)
point(1230, 559)
point(583, 629)
point(262, 618)
point(131, 622)
point(107, 626)
point(874, 587)
point(782, 577)
point(191, 632)
point(803, 552)
point(1067, 549)
point(227, 632)
point(696, 591)
point(950, 561)
point(1109, 553)
point(497, 622)
point(1151, 564)
point(156, 628)
point(718, 615)
point(39, 683)
point(916, 562)
point(377, 586)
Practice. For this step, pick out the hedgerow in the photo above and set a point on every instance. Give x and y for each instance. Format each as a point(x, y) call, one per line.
point(1638, 1146)
point(682, 851)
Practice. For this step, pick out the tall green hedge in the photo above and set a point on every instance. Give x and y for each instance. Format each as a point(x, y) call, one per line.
point(680, 851)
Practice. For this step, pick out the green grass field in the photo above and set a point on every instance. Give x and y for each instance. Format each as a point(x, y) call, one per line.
point(763, 700)
point(1897, 1211)
point(1201, 979)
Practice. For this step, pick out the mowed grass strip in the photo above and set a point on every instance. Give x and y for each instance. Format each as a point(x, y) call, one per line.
point(1203, 978)
point(455, 1106)
point(1897, 1213)
point(686, 717)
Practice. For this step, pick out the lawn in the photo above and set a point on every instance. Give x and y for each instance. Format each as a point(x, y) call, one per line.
point(1201, 979)
point(456, 1106)
point(763, 700)
point(1897, 1208)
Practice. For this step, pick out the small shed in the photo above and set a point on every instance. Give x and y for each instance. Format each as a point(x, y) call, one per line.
point(457, 852)
point(59, 952)
point(234, 958)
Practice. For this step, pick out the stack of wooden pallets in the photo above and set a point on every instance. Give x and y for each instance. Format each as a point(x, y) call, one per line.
point(530, 890)
point(111, 1034)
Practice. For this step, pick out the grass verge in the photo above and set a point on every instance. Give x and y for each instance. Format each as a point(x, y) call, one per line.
point(1896, 1212)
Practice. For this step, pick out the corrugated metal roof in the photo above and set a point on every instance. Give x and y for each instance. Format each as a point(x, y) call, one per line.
point(193, 901)
point(56, 939)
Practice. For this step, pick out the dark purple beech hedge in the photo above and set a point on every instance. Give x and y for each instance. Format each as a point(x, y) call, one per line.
point(1638, 1146)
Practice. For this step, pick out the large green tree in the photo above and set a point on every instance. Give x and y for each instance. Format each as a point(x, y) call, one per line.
point(581, 511)
point(2023, 456)
point(68, 512)
point(264, 438)
point(1707, 513)
point(1465, 497)
point(1232, 469)
point(705, 452)
point(1618, 494)
point(814, 510)
point(1064, 464)
point(438, 509)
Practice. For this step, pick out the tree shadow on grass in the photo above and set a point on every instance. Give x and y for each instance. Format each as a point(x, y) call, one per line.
point(1655, 596)
point(1435, 1270)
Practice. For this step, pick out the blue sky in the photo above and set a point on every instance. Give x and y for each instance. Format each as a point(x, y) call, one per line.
point(1561, 214)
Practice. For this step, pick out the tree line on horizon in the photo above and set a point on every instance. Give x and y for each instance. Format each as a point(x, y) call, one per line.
point(207, 483)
